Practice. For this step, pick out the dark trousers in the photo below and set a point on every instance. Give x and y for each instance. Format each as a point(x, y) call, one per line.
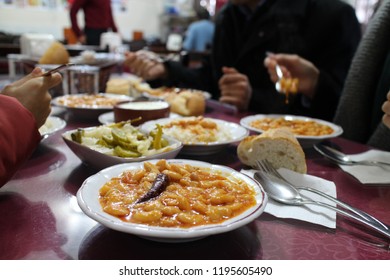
point(93, 35)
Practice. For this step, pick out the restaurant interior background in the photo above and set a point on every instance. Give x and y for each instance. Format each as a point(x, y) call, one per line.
point(156, 19)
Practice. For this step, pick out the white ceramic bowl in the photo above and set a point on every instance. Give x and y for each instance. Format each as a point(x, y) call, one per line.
point(88, 199)
point(235, 131)
point(100, 160)
point(146, 110)
point(305, 141)
point(86, 111)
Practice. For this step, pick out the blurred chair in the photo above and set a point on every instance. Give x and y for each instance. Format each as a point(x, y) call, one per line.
point(110, 40)
point(35, 45)
point(174, 42)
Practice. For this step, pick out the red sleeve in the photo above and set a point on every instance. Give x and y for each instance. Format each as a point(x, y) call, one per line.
point(112, 21)
point(19, 136)
point(74, 9)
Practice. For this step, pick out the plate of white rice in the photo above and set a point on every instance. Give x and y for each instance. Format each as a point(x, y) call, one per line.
point(200, 135)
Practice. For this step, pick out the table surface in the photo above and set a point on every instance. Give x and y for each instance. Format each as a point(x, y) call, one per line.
point(40, 217)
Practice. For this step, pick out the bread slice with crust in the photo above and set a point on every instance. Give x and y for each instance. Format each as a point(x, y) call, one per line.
point(278, 146)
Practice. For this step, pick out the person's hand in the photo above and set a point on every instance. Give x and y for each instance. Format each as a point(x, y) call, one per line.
point(82, 39)
point(294, 66)
point(32, 92)
point(235, 88)
point(145, 64)
point(386, 110)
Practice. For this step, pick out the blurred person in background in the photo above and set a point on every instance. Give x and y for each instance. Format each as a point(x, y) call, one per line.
point(365, 96)
point(24, 107)
point(325, 32)
point(98, 19)
point(200, 33)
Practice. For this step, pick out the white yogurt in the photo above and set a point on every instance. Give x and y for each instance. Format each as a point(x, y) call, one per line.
point(144, 105)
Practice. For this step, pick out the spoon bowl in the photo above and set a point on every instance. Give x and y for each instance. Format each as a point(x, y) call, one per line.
point(279, 73)
point(277, 189)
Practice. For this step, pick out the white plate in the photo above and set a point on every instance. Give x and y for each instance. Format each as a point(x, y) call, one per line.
point(57, 110)
point(236, 132)
point(99, 160)
point(90, 112)
point(305, 141)
point(52, 125)
point(88, 200)
point(108, 117)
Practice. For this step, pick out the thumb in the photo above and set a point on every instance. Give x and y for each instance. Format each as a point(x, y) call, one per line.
point(51, 81)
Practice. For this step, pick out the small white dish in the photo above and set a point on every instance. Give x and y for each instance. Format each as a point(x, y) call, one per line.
point(55, 111)
point(99, 160)
point(236, 133)
point(52, 125)
point(305, 141)
point(88, 200)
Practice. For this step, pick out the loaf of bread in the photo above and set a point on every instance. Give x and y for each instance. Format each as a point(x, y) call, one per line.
point(55, 54)
point(118, 86)
point(278, 146)
point(187, 103)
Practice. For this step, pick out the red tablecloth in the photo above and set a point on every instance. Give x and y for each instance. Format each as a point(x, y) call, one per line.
point(40, 218)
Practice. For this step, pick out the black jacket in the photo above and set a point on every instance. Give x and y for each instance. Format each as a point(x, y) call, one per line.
point(367, 84)
point(325, 32)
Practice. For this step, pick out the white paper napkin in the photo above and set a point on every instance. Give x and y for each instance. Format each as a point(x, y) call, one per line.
point(310, 213)
point(370, 174)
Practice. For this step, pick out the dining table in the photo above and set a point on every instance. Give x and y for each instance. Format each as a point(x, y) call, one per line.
point(41, 220)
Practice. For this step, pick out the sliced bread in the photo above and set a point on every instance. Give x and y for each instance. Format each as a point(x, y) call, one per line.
point(278, 146)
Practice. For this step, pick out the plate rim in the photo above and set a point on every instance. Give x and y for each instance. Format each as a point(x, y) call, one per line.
point(61, 124)
point(162, 232)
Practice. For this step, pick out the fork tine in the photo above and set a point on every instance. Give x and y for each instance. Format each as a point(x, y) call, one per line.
point(267, 167)
point(261, 165)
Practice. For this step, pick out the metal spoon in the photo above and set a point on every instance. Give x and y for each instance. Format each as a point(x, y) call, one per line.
point(286, 193)
point(279, 73)
point(340, 158)
point(54, 70)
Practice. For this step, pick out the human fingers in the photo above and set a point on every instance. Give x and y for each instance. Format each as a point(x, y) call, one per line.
point(386, 107)
point(235, 89)
point(232, 78)
point(270, 64)
point(52, 80)
point(229, 70)
point(43, 111)
point(36, 72)
point(386, 120)
point(231, 100)
point(130, 58)
point(148, 68)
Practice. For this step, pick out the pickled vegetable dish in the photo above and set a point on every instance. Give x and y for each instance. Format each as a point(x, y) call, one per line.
point(189, 196)
point(123, 140)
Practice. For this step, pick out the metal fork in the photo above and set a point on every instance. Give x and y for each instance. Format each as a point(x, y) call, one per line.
point(267, 167)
